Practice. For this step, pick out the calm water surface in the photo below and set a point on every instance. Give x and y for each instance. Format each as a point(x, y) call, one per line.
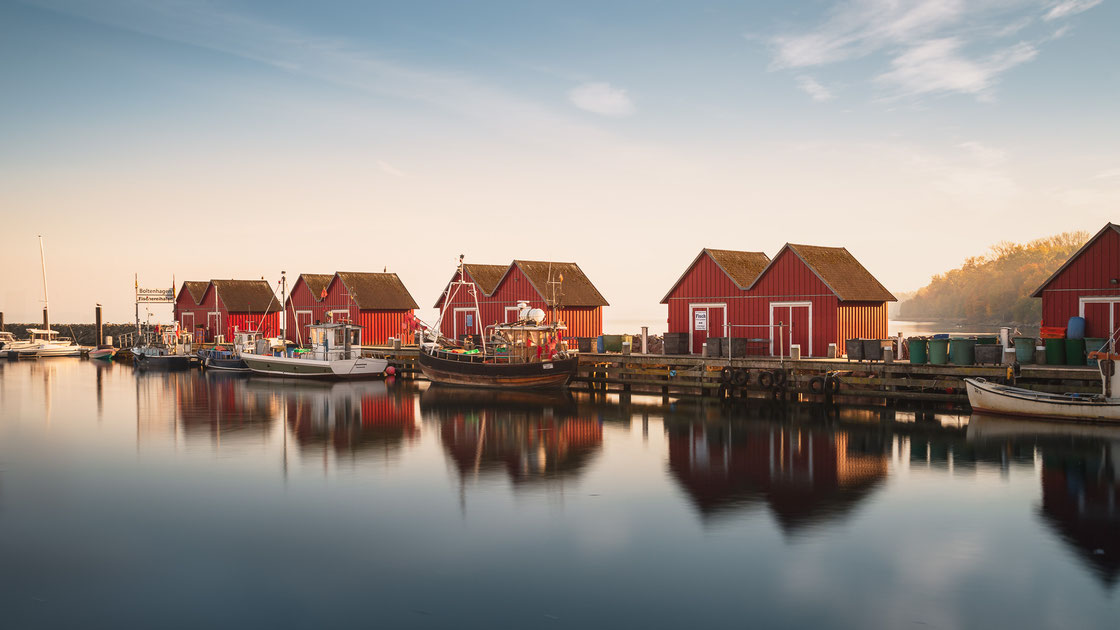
point(200, 500)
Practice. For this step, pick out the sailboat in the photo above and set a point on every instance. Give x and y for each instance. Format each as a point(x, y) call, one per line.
point(46, 342)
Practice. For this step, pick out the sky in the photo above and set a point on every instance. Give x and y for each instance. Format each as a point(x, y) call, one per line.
point(195, 140)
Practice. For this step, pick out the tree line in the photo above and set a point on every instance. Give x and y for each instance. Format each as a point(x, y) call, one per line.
point(995, 287)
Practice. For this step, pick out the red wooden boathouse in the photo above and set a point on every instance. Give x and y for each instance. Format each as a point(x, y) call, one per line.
point(1087, 285)
point(226, 306)
point(561, 289)
point(807, 295)
point(462, 316)
point(377, 302)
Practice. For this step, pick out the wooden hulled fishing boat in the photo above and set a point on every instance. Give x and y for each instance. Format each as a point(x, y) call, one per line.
point(525, 354)
point(335, 354)
point(991, 397)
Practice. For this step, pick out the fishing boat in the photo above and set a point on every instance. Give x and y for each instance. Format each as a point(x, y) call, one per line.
point(524, 354)
point(991, 397)
point(335, 354)
point(229, 359)
point(164, 347)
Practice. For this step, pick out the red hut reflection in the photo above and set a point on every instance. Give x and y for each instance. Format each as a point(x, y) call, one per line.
point(526, 436)
point(803, 475)
point(1081, 501)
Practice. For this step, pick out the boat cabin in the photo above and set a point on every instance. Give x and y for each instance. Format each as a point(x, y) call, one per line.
point(333, 341)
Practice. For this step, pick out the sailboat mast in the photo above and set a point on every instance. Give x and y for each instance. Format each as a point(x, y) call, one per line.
point(46, 303)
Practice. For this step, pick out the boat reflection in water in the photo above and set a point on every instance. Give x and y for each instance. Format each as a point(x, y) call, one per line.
point(527, 435)
point(349, 418)
point(1080, 479)
point(803, 475)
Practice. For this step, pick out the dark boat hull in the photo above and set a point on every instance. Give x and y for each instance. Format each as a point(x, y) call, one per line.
point(543, 375)
point(234, 364)
point(162, 362)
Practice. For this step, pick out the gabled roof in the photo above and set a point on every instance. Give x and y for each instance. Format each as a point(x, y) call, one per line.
point(485, 277)
point(1106, 228)
point(317, 283)
point(575, 288)
point(839, 271)
point(742, 268)
point(377, 291)
point(246, 296)
point(196, 289)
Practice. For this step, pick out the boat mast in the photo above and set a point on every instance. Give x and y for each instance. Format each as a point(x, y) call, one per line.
point(46, 303)
point(284, 303)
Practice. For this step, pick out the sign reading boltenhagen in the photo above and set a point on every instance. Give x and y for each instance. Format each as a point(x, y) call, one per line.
point(155, 296)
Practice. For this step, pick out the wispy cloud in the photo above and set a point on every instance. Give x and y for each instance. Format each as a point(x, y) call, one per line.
point(940, 65)
point(815, 90)
point(601, 98)
point(1068, 8)
point(389, 169)
point(929, 46)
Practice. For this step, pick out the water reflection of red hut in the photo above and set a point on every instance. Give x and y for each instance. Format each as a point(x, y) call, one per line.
point(803, 475)
point(219, 405)
point(1081, 501)
point(351, 417)
point(528, 436)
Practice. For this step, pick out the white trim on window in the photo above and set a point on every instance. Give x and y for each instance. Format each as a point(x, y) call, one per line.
point(455, 319)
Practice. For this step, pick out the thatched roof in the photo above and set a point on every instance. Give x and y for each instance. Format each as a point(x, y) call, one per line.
point(377, 291)
point(317, 283)
point(196, 289)
point(485, 277)
point(574, 290)
point(247, 296)
point(743, 268)
point(840, 272)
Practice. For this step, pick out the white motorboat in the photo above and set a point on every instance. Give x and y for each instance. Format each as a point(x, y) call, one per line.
point(991, 397)
point(10, 346)
point(335, 354)
point(45, 343)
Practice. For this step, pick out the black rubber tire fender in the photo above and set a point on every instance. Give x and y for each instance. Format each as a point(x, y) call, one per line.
point(780, 377)
point(766, 380)
point(726, 375)
point(741, 377)
point(817, 384)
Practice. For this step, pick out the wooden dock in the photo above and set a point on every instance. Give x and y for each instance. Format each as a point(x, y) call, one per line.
point(672, 375)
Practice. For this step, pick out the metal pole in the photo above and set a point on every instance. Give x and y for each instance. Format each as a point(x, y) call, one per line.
point(46, 301)
point(284, 303)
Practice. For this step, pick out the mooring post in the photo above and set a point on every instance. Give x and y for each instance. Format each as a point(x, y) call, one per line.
point(97, 320)
point(1, 321)
point(46, 318)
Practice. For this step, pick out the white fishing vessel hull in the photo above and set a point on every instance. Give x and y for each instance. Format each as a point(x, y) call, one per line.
point(1003, 399)
point(356, 368)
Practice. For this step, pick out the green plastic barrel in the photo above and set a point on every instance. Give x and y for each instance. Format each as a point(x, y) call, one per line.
point(919, 350)
point(1055, 351)
point(1092, 344)
point(962, 351)
point(1075, 352)
point(938, 351)
point(1024, 349)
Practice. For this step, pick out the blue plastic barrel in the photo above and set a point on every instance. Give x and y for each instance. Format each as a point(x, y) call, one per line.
point(599, 345)
point(1076, 328)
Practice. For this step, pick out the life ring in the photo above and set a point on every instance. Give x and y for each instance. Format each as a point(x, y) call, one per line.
point(726, 374)
point(741, 377)
point(766, 380)
point(817, 384)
